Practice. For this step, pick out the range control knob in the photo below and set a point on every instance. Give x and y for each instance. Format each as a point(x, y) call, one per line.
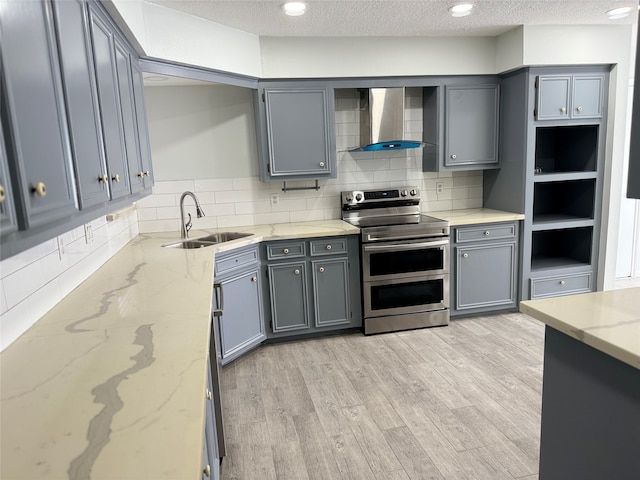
point(349, 198)
point(358, 197)
point(403, 193)
point(413, 193)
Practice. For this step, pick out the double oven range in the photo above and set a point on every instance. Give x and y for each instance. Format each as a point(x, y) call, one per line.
point(404, 259)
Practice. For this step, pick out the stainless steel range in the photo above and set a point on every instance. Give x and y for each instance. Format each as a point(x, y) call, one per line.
point(405, 259)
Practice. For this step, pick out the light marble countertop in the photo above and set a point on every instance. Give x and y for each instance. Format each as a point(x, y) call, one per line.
point(110, 384)
point(474, 216)
point(607, 321)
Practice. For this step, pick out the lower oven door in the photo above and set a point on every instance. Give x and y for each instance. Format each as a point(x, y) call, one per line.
point(408, 259)
point(406, 295)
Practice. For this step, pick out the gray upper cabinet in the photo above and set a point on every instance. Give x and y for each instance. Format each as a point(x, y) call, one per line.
point(81, 101)
point(34, 120)
point(109, 99)
point(569, 96)
point(296, 133)
point(471, 125)
point(7, 212)
point(145, 169)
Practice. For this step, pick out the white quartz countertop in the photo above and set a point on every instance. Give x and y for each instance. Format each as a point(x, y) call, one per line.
point(474, 216)
point(110, 384)
point(607, 321)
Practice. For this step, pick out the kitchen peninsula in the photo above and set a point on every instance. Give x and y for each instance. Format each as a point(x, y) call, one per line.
point(591, 385)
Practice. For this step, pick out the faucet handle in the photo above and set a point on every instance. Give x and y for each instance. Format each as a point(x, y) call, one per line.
point(188, 225)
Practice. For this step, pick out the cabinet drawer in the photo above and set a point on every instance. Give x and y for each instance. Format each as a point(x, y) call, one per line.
point(328, 246)
point(280, 251)
point(560, 285)
point(486, 232)
point(235, 260)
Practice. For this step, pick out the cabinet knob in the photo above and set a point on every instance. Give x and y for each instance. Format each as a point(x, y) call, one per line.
point(209, 394)
point(103, 178)
point(562, 282)
point(254, 279)
point(116, 178)
point(39, 189)
point(296, 271)
point(321, 269)
point(146, 173)
point(141, 174)
point(563, 109)
point(579, 109)
point(3, 194)
point(487, 233)
point(207, 470)
point(453, 156)
point(465, 255)
point(286, 250)
point(321, 164)
point(328, 247)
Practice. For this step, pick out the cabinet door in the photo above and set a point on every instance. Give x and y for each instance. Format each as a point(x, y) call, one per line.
point(289, 300)
point(81, 102)
point(331, 292)
point(36, 131)
point(143, 132)
point(299, 132)
point(475, 265)
point(112, 130)
point(241, 324)
point(129, 120)
point(471, 130)
point(587, 96)
point(7, 212)
point(552, 99)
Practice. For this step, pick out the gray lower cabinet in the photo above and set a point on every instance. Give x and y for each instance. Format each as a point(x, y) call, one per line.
point(82, 105)
point(485, 268)
point(33, 115)
point(296, 132)
point(238, 295)
point(210, 454)
point(313, 285)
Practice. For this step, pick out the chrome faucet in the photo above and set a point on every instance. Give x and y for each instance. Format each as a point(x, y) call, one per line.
point(185, 227)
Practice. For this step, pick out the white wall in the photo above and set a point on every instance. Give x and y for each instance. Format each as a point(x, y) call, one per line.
point(245, 201)
point(34, 281)
point(201, 132)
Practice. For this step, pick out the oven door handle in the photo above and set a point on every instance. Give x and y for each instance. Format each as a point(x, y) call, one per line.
point(406, 246)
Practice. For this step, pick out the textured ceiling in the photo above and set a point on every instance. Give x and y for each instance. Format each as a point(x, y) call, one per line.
point(327, 18)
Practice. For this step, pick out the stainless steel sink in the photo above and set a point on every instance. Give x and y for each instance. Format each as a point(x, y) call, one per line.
point(208, 240)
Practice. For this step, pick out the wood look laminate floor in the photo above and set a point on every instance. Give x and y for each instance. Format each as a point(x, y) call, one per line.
point(457, 402)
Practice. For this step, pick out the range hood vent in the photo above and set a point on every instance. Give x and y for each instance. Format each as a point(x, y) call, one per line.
point(382, 120)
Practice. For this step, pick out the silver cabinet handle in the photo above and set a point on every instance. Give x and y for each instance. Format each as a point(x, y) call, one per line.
point(579, 109)
point(487, 233)
point(563, 109)
point(286, 250)
point(254, 279)
point(562, 282)
point(3, 194)
point(321, 164)
point(103, 178)
point(321, 269)
point(454, 156)
point(218, 311)
point(209, 394)
point(146, 173)
point(328, 247)
point(296, 271)
point(465, 255)
point(116, 178)
point(141, 174)
point(39, 189)
point(207, 470)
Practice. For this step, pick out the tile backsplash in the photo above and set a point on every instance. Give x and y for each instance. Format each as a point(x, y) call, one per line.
point(34, 281)
point(233, 202)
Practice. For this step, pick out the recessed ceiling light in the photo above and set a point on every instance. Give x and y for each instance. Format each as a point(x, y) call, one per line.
point(461, 10)
point(294, 9)
point(618, 13)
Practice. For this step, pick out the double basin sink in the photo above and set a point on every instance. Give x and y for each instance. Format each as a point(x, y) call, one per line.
point(208, 240)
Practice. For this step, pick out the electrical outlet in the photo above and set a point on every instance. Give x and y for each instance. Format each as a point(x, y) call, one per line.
point(439, 187)
point(88, 233)
point(275, 199)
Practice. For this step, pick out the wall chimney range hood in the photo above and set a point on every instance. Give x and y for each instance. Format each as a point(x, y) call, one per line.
point(382, 120)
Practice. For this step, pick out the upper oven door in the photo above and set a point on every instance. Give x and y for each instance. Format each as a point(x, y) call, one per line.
point(394, 260)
